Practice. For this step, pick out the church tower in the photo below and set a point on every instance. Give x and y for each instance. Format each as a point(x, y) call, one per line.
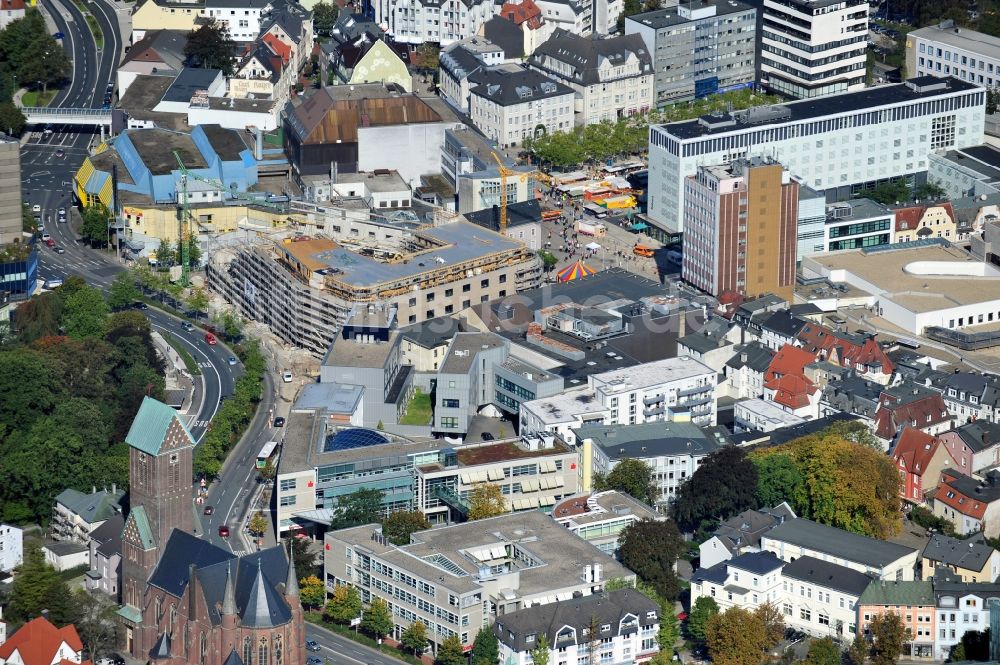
point(161, 456)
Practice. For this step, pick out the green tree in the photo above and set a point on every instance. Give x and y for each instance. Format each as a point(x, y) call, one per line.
point(324, 16)
point(486, 648)
point(450, 652)
point(96, 621)
point(486, 501)
point(258, 524)
point(12, 120)
point(398, 526)
point(85, 314)
point(888, 637)
point(36, 587)
point(211, 47)
point(632, 476)
point(377, 619)
point(232, 326)
point(975, 645)
point(704, 609)
point(651, 548)
point(778, 479)
point(426, 57)
point(28, 223)
point(362, 506)
point(774, 624)
point(823, 652)
point(197, 300)
point(39, 317)
point(736, 637)
point(312, 592)
point(94, 227)
point(723, 485)
point(344, 605)
point(123, 291)
point(549, 260)
point(541, 654)
point(414, 638)
point(670, 630)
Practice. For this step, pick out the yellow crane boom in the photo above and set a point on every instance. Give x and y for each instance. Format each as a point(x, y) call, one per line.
point(507, 173)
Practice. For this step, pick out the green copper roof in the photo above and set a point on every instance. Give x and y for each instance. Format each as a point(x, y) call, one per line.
point(150, 425)
point(890, 592)
point(130, 613)
point(138, 515)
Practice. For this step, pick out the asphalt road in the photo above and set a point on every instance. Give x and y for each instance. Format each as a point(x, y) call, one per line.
point(337, 649)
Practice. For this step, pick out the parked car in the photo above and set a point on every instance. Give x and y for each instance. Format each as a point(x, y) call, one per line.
point(286, 376)
point(232, 360)
point(36, 208)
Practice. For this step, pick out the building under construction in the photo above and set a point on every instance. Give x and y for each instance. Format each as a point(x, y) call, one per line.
point(304, 285)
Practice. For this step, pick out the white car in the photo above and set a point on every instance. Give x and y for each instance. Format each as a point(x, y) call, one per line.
point(36, 208)
point(45, 236)
point(286, 376)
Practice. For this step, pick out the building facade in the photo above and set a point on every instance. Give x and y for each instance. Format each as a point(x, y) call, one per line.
point(612, 77)
point(601, 517)
point(740, 229)
point(11, 547)
point(867, 136)
point(811, 48)
point(698, 49)
point(509, 103)
point(949, 50)
point(418, 22)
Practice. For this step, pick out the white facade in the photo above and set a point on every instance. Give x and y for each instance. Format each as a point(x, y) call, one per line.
point(887, 132)
point(757, 415)
point(652, 390)
point(11, 547)
point(958, 613)
point(947, 50)
point(669, 472)
point(510, 124)
point(416, 22)
point(617, 649)
point(412, 149)
point(10, 14)
point(811, 49)
point(242, 20)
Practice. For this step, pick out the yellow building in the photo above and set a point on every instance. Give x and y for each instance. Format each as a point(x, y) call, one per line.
point(91, 185)
point(175, 16)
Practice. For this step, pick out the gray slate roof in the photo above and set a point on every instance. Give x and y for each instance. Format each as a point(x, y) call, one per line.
point(825, 574)
point(578, 613)
point(746, 529)
point(971, 554)
point(95, 507)
point(759, 563)
point(653, 439)
point(837, 542)
point(510, 86)
point(754, 355)
point(506, 34)
point(586, 54)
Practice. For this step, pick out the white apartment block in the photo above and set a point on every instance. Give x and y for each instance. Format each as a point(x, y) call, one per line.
point(242, 18)
point(509, 104)
point(948, 50)
point(840, 144)
point(811, 48)
point(440, 21)
point(679, 388)
point(612, 77)
point(11, 547)
point(815, 596)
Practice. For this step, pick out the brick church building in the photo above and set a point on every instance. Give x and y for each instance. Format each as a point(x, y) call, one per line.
point(186, 601)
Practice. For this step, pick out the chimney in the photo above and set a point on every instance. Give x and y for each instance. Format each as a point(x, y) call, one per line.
point(114, 488)
point(45, 614)
point(586, 573)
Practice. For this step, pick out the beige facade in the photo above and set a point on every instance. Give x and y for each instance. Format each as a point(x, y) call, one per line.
point(161, 221)
point(382, 65)
point(174, 16)
point(936, 222)
point(423, 359)
point(297, 492)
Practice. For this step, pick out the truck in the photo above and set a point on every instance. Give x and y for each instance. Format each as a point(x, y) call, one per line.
point(591, 229)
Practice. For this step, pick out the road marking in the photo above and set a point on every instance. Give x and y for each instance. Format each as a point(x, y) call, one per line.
point(343, 655)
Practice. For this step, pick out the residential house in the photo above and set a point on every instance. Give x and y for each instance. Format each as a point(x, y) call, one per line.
point(961, 607)
point(612, 76)
point(971, 560)
point(913, 405)
point(38, 642)
point(460, 577)
point(526, 15)
point(970, 395)
point(854, 395)
point(509, 103)
point(916, 222)
point(10, 11)
point(626, 622)
point(241, 18)
point(601, 517)
point(741, 533)
point(974, 446)
point(758, 415)
point(424, 345)
point(748, 580)
point(264, 72)
point(786, 384)
point(714, 344)
point(745, 370)
point(913, 602)
point(672, 450)
point(375, 62)
point(775, 329)
point(433, 21)
point(65, 554)
point(457, 63)
point(508, 36)
point(796, 538)
point(163, 15)
point(159, 52)
point(920, 459)
point(852, 350)
point(971, 505)
point(105, 558)
point(77, 514)
point(289, 23)
point(822, 596)
point(11, 547)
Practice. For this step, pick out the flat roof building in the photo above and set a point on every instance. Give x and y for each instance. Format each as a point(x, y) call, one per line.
point(839, 144)
point(601, 517)
point(946, 49)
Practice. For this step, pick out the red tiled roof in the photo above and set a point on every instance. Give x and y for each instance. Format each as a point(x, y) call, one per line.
point(278, 46)
point(525, 11)
point(786, 377)
point(12, 5)
point(914, 450)
point(792, 390)
point(922, 412)
point(824, 342)
point(38, 642)
point(789, 360)
point(954, 498)
point(908, 218)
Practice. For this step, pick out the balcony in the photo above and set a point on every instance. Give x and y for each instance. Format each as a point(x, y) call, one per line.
point(692, 391)
point(652, 400)
point(655, 411)
point(695, 402)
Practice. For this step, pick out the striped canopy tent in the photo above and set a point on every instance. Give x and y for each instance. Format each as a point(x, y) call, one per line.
point(575, 271)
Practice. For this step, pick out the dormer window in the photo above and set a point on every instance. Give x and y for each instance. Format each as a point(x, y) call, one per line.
point(651, 615)
point(605, 627)
point(529, 639)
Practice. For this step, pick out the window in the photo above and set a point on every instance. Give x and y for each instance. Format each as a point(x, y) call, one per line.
point(449, 403)
point(287, 484)
point(529, 639)
point(823, 619)
point(485, 284)
point(805, 614)
point(247, 650)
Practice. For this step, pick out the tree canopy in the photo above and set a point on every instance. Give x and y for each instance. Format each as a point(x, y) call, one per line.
point(697, 622)
point(889, 634)
point(398, 526)
point(211, 47)
point(650, 549)
point(486, 501)
point(31, 56)
point(632, 476)
point(736, 637)
point(344, 604)
point(723, 485)
point(94, 227)
point(485, 648)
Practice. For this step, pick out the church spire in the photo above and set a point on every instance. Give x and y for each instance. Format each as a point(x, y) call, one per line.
point(229, 598)
point(292, 583)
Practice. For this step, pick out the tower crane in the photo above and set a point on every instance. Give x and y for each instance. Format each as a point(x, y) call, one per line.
point(508, 173)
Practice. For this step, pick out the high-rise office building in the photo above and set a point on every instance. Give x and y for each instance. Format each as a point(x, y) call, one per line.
point(10, 190)
point(740, 228)
point(811, 48)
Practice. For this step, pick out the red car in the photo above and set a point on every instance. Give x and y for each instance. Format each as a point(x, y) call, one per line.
point(210, 339)
point(224, 531)
point(50, 242)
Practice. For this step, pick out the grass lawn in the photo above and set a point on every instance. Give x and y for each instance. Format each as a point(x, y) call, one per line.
point(189, 362)
point(419, 410)
point(38, 98)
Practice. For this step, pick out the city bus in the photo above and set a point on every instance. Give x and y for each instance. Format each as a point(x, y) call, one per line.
point(266, 454)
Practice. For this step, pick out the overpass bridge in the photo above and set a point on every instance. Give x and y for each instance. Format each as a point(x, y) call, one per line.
point(53, 115)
